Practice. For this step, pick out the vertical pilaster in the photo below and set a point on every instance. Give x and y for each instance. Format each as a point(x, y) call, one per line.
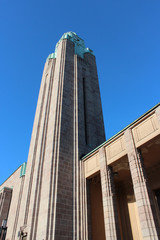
point(142, 191)
point(109, 201)
point(76, 167)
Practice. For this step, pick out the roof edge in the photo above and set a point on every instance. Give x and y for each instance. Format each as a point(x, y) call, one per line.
point(95, 149)
point(11, 174)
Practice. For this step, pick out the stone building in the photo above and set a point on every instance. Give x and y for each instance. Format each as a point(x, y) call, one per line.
point(75, 184)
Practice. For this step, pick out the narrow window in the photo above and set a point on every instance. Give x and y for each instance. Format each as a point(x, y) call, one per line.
point(84, 107)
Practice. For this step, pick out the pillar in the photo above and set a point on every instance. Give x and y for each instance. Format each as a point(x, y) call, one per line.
point(109, 201)
point(142, 191)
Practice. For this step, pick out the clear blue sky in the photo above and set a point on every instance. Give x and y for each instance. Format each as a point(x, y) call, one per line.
point(125, 37)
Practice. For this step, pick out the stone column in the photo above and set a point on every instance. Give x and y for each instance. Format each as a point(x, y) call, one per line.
point(142, 191)
point(109, 201)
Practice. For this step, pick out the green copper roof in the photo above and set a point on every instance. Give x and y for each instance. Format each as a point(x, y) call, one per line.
point(52, 55)
point(23, 169)
point(79, 44)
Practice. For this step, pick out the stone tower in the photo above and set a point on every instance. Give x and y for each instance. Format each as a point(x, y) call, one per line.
point(68, 124)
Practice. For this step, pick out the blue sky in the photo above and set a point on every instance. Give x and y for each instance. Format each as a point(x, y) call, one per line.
point(125, 37)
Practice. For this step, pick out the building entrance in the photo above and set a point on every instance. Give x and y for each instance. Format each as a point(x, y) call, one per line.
point(96, 209)
point(126, 203)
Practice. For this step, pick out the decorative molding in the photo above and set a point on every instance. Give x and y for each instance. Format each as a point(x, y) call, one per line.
point(115, 150)
point(92, 165)
point(146, 130)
